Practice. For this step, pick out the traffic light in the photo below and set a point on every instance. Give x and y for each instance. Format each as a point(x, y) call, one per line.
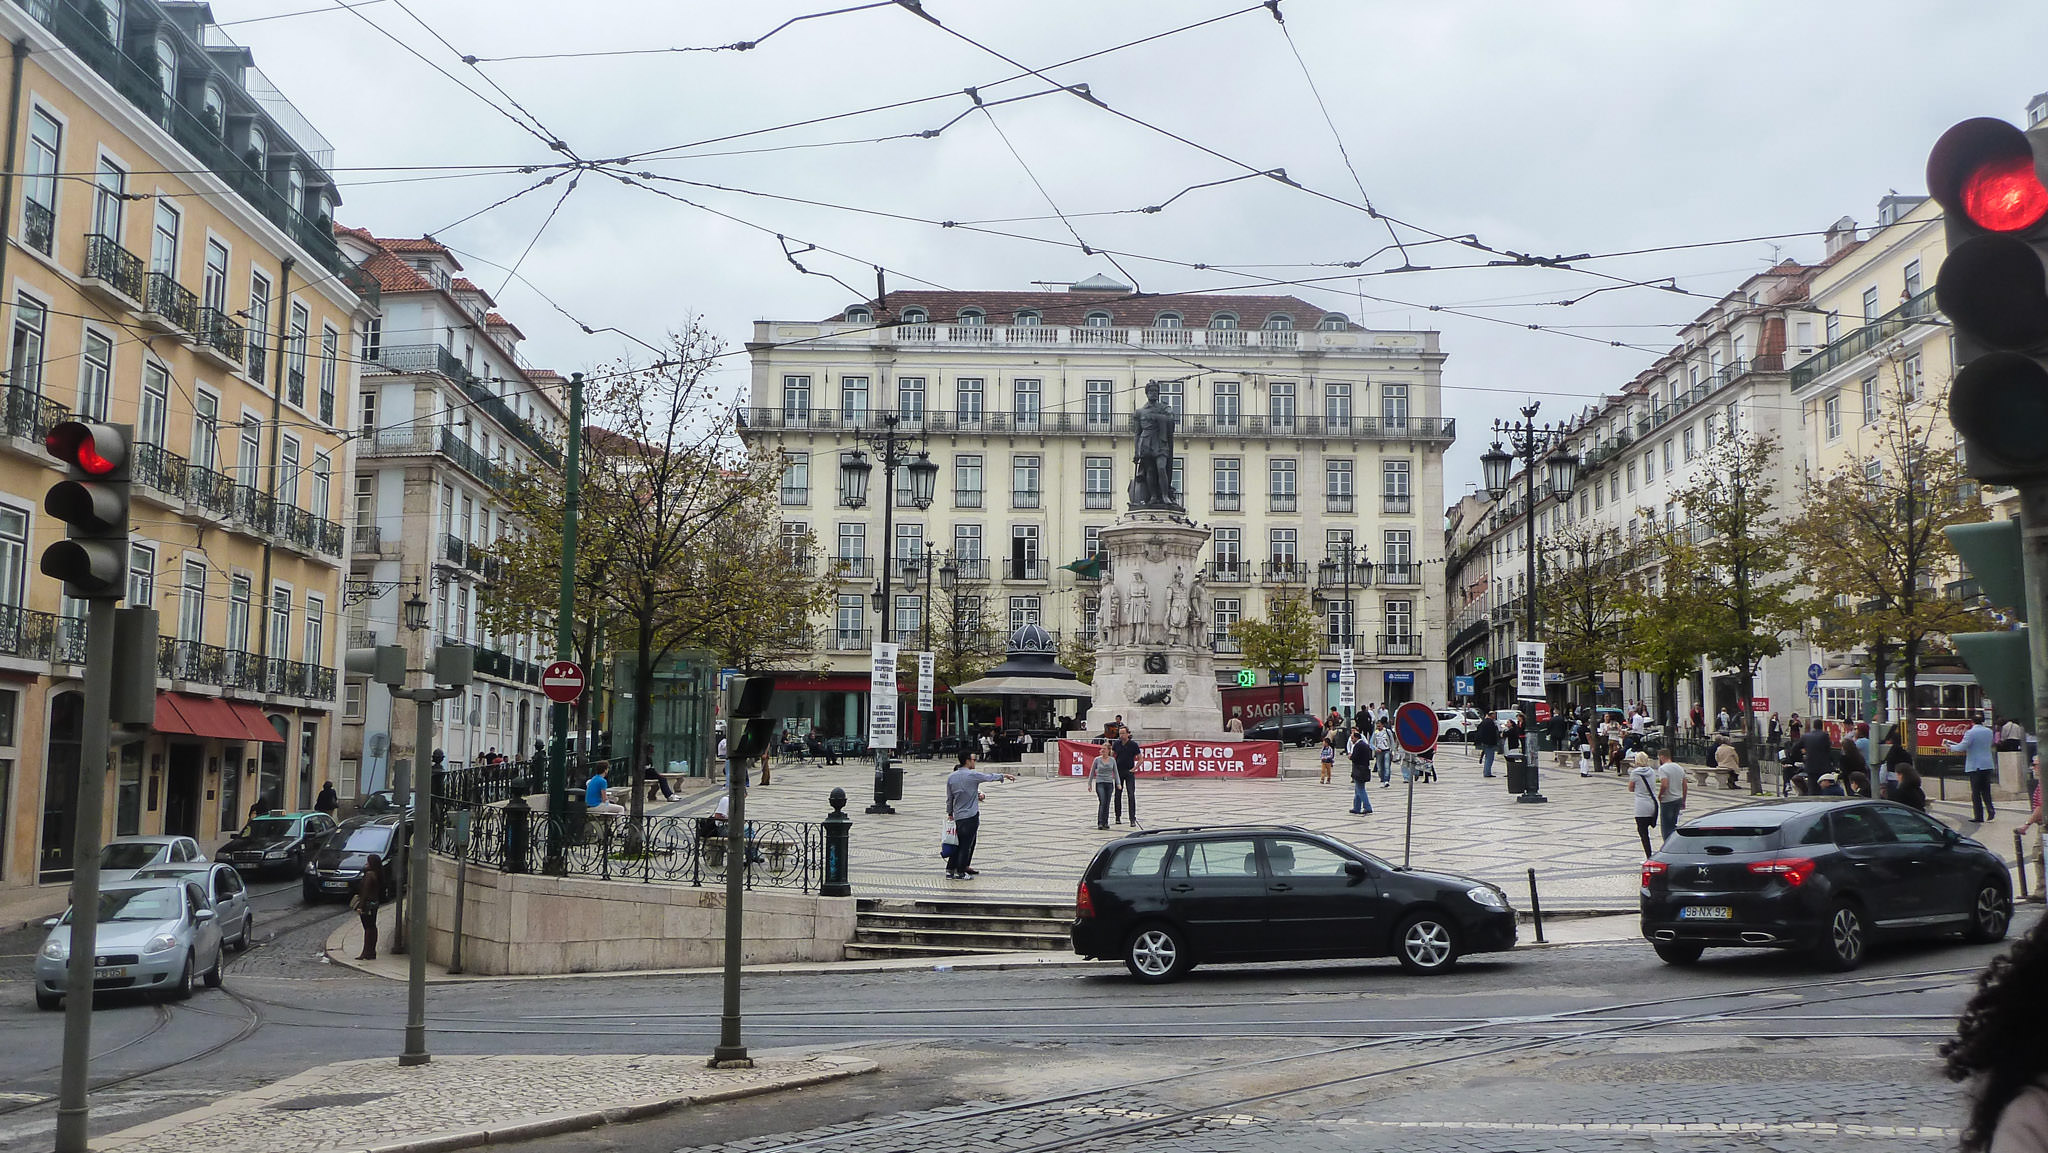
point(1993, 286)
point(92, 501)
point(2001, 661)
point(747, 704)
point(133, 696)
point(452, 664)
point(385, 664)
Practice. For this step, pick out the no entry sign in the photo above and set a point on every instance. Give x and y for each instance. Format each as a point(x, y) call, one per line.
point(562, 681)
point(1415, 727)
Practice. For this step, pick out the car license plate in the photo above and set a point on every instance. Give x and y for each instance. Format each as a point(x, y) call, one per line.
point(336, 885)
point(108, 972)
point(1706, 913)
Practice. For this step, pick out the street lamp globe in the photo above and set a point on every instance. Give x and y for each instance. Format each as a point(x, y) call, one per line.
point(853, 478)
point(1365, 569)
point(1496, 466)
point(924, 474)
point(1561, 469)
point(416, 612)
point(880, 602)
point(908, 567)
point(1328, 574)
point(949, 575)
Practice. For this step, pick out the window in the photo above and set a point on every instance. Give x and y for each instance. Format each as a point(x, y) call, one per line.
point(916, 316)
point(1631, 476)
point(39, 189)
point(1873, 470)
point(1666, 451)
point(1337, 487)
point(1167, 320)
point(967, 481)
point(141, 575)
point(1831, 415)
point(1091, 541)
point(853, 401)
point(910, 399)
point(1097, 319)
point(1691, 449)
point(373, 338)
point(850, 620)
point(163, 239)
point(249, 453)
point(323, 485)
point(95, 375)
point(288, 471)
point(1910, 379)
point(280, 620)
point(1337, 406)
point(25, 358)
point(968, 390)
point(239, 596)
point(853, 540)
point(13, 555)
point(1868, 387)
point(316, 630)
point(259, 325)
point(1096, 490)
point(330, 362)
point(1024, 477)
point(1228, 549)
point(295, 356)
point(366, 501)
point(1026, 394)
point(1024, 553)
point(1394, 477)
point(1223, 321)
point(1394, 406)
point(796, 399)
point(909, 616)
point(1224, 401)
point(1280, 403)
point(1226, 471)
point(1174, 393)
point(1397, 549)
point(109, 200)
point(973, 318)
point(1279, 322)
point(967, 549)
point(1400, 619)
point(796, 478)
point(352, 700)
point(1283, 548)
point(1280, 484)
point(1833, 329)
point(1100, 402)
point(1023, 611)
point(213, 284)
point(156, 403)
point(909, 548)
point(1870, 304)
point(1224, 614)
point(1334, 322)
point(1912, 279)
point(859, 316)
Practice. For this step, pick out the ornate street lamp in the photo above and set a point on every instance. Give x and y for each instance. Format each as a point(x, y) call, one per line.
point(416, 611)
point(1529, 443)
point(853, 478)
point(1496, 465)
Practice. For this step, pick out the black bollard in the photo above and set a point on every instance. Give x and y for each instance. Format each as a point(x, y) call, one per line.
point(838, 833)
point(517, 834)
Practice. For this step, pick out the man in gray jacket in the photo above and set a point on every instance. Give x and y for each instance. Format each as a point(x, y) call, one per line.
point(963, 804)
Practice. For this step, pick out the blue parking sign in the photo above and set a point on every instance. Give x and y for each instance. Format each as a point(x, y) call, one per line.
point(1463, 686)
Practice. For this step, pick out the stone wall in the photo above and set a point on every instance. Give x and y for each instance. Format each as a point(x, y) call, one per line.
point(520, 923)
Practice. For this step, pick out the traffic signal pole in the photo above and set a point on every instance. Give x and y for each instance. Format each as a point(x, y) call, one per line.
point(565, 638)
point(2034, 561)
point(72, 1112)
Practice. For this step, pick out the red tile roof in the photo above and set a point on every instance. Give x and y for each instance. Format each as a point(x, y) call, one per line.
point(1126, 309)
point(417, 244)
point(395, 275)
point(493, 320)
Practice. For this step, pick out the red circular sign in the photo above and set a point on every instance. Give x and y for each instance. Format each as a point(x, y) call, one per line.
point(1415, 727)
point(562, 681)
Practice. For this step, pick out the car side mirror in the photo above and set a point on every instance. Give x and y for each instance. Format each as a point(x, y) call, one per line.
point(1355, 870)
point(1951, 837)
point(203, 915)
point(53, 922)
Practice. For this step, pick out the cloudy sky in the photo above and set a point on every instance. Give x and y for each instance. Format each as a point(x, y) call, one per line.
point(1553, 129)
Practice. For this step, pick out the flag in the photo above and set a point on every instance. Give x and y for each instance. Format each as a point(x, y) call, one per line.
point(1088, 568)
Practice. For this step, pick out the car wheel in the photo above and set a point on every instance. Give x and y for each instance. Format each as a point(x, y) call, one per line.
point(248, 933)
point(212, 976)
point(1426, 943)
point(1843, 937)
point(180, 989)
point(1157, 953)
point(1990, 914)
point(311, 894)
point(48, 1001)
point(1678, 952)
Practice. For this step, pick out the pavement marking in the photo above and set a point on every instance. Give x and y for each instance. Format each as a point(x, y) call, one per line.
point(1805, 1128)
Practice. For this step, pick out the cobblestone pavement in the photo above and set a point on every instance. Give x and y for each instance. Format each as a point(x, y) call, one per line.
point(377, 1104)
point(1038, 832)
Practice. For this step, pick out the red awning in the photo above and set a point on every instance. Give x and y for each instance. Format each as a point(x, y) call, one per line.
point(169, 719)
point(255, 726)
point(195, 716)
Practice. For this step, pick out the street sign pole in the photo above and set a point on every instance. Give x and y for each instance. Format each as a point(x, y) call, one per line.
point(565, 638)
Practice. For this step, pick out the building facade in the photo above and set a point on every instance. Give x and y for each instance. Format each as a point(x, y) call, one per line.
point(1303, 438)
point(446, 411)
point(169, 264)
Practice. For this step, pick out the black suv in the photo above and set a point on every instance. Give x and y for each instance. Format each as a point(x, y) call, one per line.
point(1824, 875)
point(1163, 901)
point(1291, 729)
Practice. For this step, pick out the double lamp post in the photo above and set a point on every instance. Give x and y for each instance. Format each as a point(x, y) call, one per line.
point(1529, 444)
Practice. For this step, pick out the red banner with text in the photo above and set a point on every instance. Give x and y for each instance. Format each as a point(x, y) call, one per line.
point(1934, 736)
point(1190, 760)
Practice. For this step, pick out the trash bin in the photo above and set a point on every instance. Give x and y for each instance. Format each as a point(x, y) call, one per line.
point(1518, 772)
point(892, 780)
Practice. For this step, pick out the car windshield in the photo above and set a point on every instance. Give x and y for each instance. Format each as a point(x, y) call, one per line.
point(159, 904)
point(270, 827)
point(1733, 838)
point(128, 856)
point(369, 839)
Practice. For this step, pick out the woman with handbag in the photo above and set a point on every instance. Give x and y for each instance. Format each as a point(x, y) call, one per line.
point(369, 894)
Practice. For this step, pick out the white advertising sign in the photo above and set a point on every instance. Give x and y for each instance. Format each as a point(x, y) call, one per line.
point(927, 665)
point(1529, 670)
point(882, 696)
point(1347, 681)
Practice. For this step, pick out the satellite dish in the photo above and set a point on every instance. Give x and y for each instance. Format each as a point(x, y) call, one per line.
point(379, 744)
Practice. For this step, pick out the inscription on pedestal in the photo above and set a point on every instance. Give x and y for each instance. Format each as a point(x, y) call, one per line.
point(1155, 663)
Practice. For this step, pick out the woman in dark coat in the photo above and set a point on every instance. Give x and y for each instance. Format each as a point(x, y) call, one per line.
point(369, 894)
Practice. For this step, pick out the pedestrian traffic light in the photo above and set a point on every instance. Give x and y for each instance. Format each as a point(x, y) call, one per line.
point(748, 701)
point(92, 501)
point(1993, 286)
point(2002, 661)
point(452, 664)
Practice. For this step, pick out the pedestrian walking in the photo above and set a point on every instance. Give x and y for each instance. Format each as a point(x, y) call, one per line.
point(1487, 737)
point(1328, 756)
point(1362, 755)
point(1673, 788)
point(1126, 751)
point(1102, 771)
point(1776, 731)
point(1383, 750)
point(1721, 719)
point(1977, 765)
point(1998, 1047)
point(963, 804)
point(1642, 785)
point(1697, 719)
point(1896, 761)
point(329, 800)
point(368, 896)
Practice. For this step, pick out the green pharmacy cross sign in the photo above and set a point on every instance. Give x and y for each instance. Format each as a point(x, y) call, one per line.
point(1246, 678)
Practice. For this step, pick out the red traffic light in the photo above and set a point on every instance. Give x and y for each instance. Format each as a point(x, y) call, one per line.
point(1982, 171)
point(94, 449)
point(2003, 194)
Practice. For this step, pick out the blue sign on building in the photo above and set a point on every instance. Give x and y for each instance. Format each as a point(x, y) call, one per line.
point(1400, 676)
point(1463, 686)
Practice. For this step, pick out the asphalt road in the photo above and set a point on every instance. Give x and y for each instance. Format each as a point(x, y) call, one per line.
point(1597, 1047)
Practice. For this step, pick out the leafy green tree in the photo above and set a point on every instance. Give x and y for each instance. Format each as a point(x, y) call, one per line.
point(1575, 599)
point(1283, 641)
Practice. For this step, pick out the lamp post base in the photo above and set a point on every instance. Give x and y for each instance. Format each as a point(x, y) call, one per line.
point(1532, 799)
point(881, 807)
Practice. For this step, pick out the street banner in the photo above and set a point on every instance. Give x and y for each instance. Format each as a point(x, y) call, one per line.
point(1934, 736)
point(882, 695)
point(1529, 670)
point(927, 664)
point(1184, 760)
point(1347, 681)
point(1256, 704)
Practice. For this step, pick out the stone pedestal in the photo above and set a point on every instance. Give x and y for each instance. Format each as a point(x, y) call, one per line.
point(1153, 665)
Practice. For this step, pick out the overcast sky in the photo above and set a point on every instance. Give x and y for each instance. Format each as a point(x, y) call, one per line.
point(1552, 128)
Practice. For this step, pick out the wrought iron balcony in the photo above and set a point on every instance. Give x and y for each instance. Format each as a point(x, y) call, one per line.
point(848, 640)
point(28, 634)
point(1337, 502)
point(367, 538)
point(853, 567)
point(1229, 571)
point(169, 305)
point(1224, 643)
point(190, 661)
point(1280, 502)
point(38, 227)
point(220, 337)
point(112, 270)
point(159, 469)
point(1400, 645)
point(1397, 505)
point(1398, 574)
point(28, 414)
point(1286, 572)
point(971, 568)
point(1026, 569)
point(1226, 501)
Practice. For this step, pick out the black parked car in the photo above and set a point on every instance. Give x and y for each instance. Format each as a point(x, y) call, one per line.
point(278, 841)
point(333, 870)
point(1164, 901)
point(1291, 729)
point(1828, 876)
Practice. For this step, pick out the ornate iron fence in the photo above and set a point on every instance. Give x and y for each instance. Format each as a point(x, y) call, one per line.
point(671, 850)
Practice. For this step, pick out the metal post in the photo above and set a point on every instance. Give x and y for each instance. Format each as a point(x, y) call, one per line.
point(2034, 563)
point(838, 830)
point(731, 1052)
point(565, 640)
point(931, 719)
point(401, 791)
point(72, 1105)
point(1408, 836)
point(1531, 793)
point(415, 1052)
point(882, 630)
point(1535, 906)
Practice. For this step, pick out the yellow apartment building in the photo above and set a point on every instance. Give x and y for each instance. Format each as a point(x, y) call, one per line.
point(169, 263)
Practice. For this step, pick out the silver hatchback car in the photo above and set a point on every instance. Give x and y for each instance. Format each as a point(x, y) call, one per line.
point(155, 936)
point(225, 889)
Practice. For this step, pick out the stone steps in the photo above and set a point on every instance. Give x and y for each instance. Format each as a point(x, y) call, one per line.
point(916, 928)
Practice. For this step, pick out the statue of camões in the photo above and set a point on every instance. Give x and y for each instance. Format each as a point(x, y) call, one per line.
point(1152, 483)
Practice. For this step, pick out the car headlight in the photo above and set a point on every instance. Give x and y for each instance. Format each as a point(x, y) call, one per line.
point(279, 851)
point(1487, 896)
point(56, 950)
point(161, 943)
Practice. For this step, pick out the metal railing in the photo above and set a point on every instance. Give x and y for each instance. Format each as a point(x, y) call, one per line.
point(1397, 574)
point(1862, 340)
point(1400, 645)
point(113, 266)
point(853, 567)
point(1030, 568)
point(164, 297)
point(28, 413)
point(158, 468)
point(367, 538)
point(1229, 571)
point(220, 334)
point(1286, 571)
point(190, 661)
point(673, 850)
point(38, 227)
point(1414, 428)
point(1395, 504)
point(30, 634)
point(848, 640)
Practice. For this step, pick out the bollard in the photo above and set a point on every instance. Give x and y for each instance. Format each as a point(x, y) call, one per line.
point(2019, 857)
point(1535, 906)
point(838, 832)
point(517, 833)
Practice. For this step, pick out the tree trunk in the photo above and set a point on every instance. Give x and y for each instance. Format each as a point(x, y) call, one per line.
point(643, 722)
point(1910, 671)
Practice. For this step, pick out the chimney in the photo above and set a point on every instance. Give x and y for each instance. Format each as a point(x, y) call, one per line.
point(1840, 235)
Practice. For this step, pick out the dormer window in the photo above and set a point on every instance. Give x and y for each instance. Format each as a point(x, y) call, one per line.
point(1223, 320)
point(1279, 322)
point(1334, 322)
point(1097, 319)
point(213, 107)
point(259, 148)
point(859, 316)
point(1166, 320)
point(916, 316)
point(1028, 319)
point(973, 317)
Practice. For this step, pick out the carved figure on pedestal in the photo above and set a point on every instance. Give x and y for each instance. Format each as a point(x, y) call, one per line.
point(1152, 484)
point(1198, 613)
point(1176, 614)
point(1137, 609)
point(1106, 618)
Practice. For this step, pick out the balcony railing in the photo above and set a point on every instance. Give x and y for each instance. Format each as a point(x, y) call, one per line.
point(1280, 502)
point(1398, 574)
point(1029, 568)
point(1915, 310)
point(157, 468)
point(27, 634)
point(1397, 505)
point(209, 491)
point(453, 548)
point(970, 568)
point(848, 640)
point(1400, 645)
point(1024, 498)
point(1337, 502)
point(28, 414)
point(114, 268)
point(1286, 571)
point(221, 336)
point(851, 568)
point(38, 227)
point(367, 538)
point(1229, 571)
point(1432, 429)
point(1224, 643)
point(1226, 501)
point(190, 661)
point(174, 305)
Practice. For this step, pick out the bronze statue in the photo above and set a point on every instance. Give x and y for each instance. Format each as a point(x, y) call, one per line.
point(1152, 486)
